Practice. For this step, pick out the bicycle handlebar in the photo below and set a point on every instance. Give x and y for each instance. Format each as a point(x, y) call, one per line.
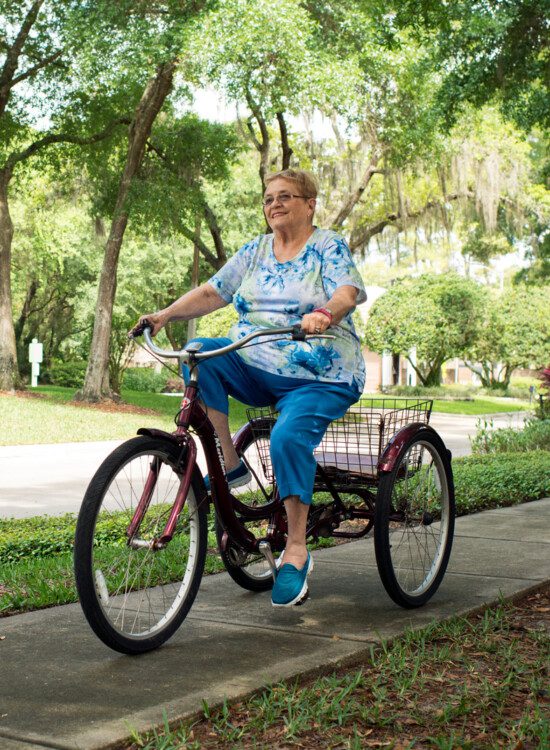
point(184, 354)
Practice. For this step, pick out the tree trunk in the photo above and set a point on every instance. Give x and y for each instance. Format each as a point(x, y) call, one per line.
point(26, 309)
point(287, 151)
point(263, 145)
point(9, 374)
point(96, 382)
point(192, 323)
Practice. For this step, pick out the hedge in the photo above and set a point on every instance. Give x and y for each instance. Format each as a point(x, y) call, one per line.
point(144, 379)
point(499, 480)
point(481, 482)
point(535, 436)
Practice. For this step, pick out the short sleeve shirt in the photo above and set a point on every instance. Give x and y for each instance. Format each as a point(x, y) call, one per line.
point(270, 294)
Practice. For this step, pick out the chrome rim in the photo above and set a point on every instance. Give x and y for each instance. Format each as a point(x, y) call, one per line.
point(419, 518)
point(141, 589)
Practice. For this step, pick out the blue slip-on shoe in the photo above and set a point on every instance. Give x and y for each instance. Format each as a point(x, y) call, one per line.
point(290, 588)
point(235, 478)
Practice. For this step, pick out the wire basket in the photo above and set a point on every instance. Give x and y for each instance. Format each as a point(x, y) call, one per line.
point(353, 443)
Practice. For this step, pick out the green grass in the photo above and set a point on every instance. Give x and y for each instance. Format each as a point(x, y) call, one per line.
point(466, 683)
point(479, 406)
point(54, 418)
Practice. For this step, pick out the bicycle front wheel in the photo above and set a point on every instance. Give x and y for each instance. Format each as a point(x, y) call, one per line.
point(414, 521)
point(134, 593)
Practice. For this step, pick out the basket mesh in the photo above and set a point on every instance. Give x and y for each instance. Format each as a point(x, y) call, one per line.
point(354, 442)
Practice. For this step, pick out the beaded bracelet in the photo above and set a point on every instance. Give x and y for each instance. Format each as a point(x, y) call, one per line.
point(325, 311)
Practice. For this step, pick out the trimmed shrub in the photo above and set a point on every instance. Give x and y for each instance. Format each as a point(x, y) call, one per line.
point(451, 393)
point(144, 379)
point(533, 437)
point(69, 374)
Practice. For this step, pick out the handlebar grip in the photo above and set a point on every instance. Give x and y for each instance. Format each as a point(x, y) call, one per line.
point(138, 330)
point(298, 333)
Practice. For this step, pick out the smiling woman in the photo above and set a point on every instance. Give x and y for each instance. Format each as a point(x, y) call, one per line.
point(297, 275)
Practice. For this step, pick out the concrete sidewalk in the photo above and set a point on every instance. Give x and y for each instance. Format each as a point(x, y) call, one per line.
point(61, 688)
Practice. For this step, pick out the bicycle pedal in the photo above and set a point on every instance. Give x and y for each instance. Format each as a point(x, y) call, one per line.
point(303, 599)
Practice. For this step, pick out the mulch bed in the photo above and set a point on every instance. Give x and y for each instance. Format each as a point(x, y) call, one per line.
point(414, 717)
point(113, 407)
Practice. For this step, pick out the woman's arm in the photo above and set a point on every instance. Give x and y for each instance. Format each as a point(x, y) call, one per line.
point(200, 301)
point(342, 301)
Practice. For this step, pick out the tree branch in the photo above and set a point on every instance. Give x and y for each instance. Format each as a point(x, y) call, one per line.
point(31, 71)
point(205, 252)
point(360, 237)
point(14, 52)
point(47, 140)
point(263, 145)
point(354, 197)
point(215, 231)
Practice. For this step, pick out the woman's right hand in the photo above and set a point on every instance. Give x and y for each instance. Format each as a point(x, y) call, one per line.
point(157, 321)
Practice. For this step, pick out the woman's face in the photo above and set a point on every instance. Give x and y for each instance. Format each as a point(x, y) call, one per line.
point(292, 214)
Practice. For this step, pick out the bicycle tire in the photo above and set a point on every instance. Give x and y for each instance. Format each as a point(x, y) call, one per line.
point(135, 598)
point(414, 520)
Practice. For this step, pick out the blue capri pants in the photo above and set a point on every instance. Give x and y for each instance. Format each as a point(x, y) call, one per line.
point(306, 407)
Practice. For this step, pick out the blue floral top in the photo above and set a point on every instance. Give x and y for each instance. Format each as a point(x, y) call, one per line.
point(267, 293)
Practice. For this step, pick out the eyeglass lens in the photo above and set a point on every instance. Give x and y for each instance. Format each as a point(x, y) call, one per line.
point(282, 198)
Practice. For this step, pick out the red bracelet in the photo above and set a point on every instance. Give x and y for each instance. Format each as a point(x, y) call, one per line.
point(325, 311)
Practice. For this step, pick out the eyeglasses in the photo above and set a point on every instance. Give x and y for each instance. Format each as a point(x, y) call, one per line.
point(282, 198)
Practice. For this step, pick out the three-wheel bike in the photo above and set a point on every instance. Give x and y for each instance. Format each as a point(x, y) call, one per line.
point(142, 532)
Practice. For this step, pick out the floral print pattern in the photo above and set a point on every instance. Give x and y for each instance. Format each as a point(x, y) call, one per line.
point(267, 294)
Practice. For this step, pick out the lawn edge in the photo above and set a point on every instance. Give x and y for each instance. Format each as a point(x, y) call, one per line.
point(346, 662)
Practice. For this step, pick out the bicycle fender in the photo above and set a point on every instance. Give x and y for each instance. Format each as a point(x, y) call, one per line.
point(162, 434)
point(393, 449)
point(263, 424)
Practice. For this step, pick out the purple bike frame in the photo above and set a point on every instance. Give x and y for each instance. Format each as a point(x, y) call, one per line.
point(193, 415)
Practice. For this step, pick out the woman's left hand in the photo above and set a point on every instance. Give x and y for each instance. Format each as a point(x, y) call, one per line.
point(315, 322)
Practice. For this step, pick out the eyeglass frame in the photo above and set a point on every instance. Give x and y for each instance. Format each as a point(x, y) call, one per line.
point(278, 197)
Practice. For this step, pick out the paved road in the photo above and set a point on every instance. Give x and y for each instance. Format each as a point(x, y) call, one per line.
point(52, 479)
point(61, 688)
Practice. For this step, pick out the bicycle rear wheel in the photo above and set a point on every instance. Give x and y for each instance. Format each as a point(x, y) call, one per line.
point(133, 594)
point(414, 521)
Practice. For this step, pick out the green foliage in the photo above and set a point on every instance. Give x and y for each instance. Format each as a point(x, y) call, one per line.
point(144, 379)
point(500, 480)
point(515, 333)
point(481, 482)
point(38, 536)
point(462, 392)
point(218, 323)
point(69, 374)
point(439, 315)
point(534, 436)
point(487, 50)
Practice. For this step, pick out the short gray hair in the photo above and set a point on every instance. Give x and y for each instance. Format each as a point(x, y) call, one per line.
point(305, 180)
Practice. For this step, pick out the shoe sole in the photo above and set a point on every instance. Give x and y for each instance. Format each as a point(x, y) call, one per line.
point(304, 592)
point(246, 479)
